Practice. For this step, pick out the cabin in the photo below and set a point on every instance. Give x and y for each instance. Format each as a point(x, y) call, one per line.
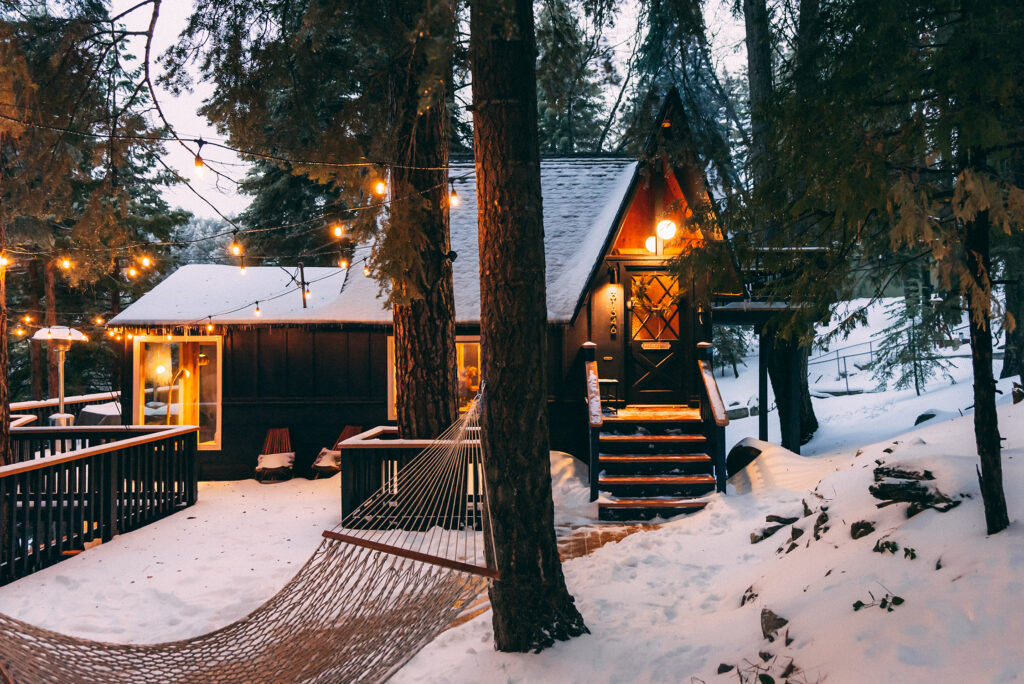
point(237, 352)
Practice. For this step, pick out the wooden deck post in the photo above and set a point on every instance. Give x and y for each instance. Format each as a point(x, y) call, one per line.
point(762, 384)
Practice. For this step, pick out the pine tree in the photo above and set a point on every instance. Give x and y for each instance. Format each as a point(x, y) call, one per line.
point(531, 604)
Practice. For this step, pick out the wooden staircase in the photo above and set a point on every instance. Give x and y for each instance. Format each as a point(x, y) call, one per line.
point(653, 462)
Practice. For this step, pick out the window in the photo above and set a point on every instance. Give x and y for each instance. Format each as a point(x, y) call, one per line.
point(467, 359)
point(178, 382)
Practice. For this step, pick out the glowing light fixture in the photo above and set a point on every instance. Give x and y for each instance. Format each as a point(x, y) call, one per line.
point(453, 197)
point(20, 331)
point(98, 320)
point(236, 247)
point(146, 262)
point(380, 187)
point(65, 264)
point(132, 271)
point(199, 166)
point(161, 370)
point(651, 244)
point(110, 333)
point(666, 229)
point(4, 260)
point(343, 263)
point(338, 230)
point(258, 312)
point(27, 319)
point(366, 270)
point(168, 337)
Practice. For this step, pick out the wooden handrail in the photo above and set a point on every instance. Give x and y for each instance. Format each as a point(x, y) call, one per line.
point(54, 401)
point(413, 555)
point(37, 463)
point(715, 402)
point(593, 384)
point(21, 421)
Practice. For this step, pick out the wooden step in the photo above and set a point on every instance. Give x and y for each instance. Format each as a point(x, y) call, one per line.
point(612, 480)
point(654, 439)
point(647, 508)
point(654, 458)
point(654, 419)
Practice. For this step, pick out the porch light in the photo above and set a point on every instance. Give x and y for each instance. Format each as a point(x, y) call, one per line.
point(380, 187)
point(666, 229)
point(651, 244)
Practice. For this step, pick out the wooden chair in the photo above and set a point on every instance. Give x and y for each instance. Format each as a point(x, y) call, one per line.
point(276, 460)
point(326, 464)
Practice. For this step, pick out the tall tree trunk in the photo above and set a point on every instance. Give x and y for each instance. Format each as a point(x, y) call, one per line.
point(50, 294)
point(789, 360)
point(986, 422)
point(759, 77)
point(115, 308)
point(37, 359)
point(531, 604)
point(426, 380)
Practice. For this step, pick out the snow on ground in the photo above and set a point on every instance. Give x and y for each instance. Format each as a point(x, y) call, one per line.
point(663, 606)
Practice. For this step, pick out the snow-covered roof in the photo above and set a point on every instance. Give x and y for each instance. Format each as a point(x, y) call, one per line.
point(581, 199)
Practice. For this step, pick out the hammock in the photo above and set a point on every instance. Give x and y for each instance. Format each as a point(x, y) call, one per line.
point(381, 585)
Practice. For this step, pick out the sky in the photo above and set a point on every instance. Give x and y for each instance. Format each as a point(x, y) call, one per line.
point(725, 33)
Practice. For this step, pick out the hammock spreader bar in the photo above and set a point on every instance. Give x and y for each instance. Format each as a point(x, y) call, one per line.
point(414, 555)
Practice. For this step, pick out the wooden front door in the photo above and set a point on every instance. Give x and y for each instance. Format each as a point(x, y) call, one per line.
point(655, 356)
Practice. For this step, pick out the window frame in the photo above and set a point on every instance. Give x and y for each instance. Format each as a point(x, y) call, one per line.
point(392, 398)
point(218, 340)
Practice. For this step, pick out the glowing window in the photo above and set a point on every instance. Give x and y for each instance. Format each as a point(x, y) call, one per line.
point(467, 359)
point(178, 382)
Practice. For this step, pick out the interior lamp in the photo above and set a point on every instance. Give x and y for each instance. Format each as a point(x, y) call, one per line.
point(666, 229)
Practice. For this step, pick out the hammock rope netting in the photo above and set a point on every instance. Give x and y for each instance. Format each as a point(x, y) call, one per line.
point(382, 584)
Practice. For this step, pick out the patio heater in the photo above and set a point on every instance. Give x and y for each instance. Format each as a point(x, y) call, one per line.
point(60, 337)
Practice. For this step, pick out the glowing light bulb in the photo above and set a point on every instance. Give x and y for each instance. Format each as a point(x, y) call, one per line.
point(666, 229)
point(380, 187)
point(146, 262)
point(258, 312)
point(343, 263)
point(366, 270)
point(132, 272)
point(308, 293)
point(65, 264)
point(160, 370)
point(168, 337)
point(209, 327)
point(110, 333)
point(129, 336)
point(236, 249)
point(27, 319)
point(200, 168)
point(4, 261)
point(453, 198)
point(20, 331)
point(651, 244)
point(118, 338)
point(338, 230)
point(99, 320)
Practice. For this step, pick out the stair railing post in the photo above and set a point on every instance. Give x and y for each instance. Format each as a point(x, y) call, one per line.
point(594, 416)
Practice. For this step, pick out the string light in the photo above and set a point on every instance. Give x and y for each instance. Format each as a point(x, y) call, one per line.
point(99, 320)
point(241, 264)
point(236, 246)
point(338, 230)
point(366, 270)
point(453, 197)
point(258, 312)
point(20, 331)
point(200, 167)
point(308, 293)
point(65, 264)
point(343, 263)
point(27, 318)
point(110, 333)
point(129, 336)
point(209, 327)
point(132, 271)
point(4, 261)
point(146, 262)
point(380, 187)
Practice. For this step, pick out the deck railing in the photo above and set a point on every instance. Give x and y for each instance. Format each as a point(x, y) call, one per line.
point(74, 485)
point(44, 408)
point(712, 413)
